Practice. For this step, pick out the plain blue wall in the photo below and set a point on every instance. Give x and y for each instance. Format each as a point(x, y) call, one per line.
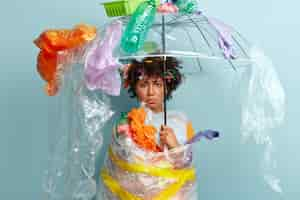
point(273, 24)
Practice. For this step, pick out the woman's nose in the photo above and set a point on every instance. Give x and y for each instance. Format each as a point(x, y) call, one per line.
point(150, 89)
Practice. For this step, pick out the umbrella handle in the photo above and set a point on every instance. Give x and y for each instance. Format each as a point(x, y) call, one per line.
point(163, 40)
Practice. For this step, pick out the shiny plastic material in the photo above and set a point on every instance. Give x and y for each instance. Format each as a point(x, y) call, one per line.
point(53, 41)
point(75, 136)
point(136, 31)
point(187, 6)
point(263, 108)
point(202, 43)
point(131, 172)
point(100, 67)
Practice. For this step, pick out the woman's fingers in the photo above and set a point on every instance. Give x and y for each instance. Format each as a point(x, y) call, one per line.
point(163, 135)
point(166, 135)
point(166, 129)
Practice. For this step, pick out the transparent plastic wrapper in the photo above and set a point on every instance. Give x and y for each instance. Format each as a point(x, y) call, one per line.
point(263, 109)
point(76, 135)
point(130, 172)
point(53, 41)
point(100, 67)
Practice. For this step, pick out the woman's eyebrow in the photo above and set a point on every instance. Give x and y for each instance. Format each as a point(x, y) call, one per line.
point(144, 81)
point(156, 80)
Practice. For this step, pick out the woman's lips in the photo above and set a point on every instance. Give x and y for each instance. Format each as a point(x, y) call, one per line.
point(151, 102)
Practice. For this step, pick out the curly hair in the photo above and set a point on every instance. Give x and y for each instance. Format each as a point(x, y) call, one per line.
point(153, 67)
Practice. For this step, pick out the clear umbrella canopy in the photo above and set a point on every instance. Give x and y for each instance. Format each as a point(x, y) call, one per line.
point(195, 37)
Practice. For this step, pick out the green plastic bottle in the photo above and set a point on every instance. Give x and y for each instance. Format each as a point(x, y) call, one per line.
point(187, 6)
point(138, 26)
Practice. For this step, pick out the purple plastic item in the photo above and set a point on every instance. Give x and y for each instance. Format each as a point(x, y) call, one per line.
point(225, 37)
point(101, 68)
point(208, 134)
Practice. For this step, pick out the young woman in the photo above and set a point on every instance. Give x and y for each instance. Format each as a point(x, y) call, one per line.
point(146, 159)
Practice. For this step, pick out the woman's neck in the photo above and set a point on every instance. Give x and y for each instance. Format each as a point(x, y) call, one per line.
point(156, 110)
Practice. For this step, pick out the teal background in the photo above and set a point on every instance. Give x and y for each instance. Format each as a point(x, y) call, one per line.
point(272, 24)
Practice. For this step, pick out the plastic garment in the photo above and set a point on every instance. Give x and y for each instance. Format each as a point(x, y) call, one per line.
point(130, 172)
point(144, 183)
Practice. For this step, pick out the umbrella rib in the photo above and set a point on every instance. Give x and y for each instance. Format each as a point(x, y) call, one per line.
point(179, 19)
point(242, 49)
point(180, 53)
point(203, 36)
point(175, 18)
point(187, 21)
point(194, 48)
point(242, 37)
point(232, 65)
point(240, 46)
point(230, 62)
point(172, 23)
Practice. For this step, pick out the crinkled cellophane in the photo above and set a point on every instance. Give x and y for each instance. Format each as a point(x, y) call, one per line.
point(131, 173)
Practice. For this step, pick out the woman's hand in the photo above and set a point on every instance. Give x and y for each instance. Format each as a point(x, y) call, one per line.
point(168, 137)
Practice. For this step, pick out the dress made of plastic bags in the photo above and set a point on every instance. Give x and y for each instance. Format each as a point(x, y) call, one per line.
point(131, 172)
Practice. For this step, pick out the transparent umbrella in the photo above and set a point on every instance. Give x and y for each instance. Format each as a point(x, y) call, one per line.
point(193, 36)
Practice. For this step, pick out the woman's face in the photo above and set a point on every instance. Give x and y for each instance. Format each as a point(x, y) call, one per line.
point(150, 90)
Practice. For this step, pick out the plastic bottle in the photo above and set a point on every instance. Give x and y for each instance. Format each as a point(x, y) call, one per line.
point(138, 26)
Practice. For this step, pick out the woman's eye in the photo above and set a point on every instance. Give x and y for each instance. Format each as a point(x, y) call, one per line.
point(143, 85)
point(158, 84)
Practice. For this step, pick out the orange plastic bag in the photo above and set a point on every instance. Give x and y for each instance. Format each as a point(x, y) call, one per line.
point(51, 42)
